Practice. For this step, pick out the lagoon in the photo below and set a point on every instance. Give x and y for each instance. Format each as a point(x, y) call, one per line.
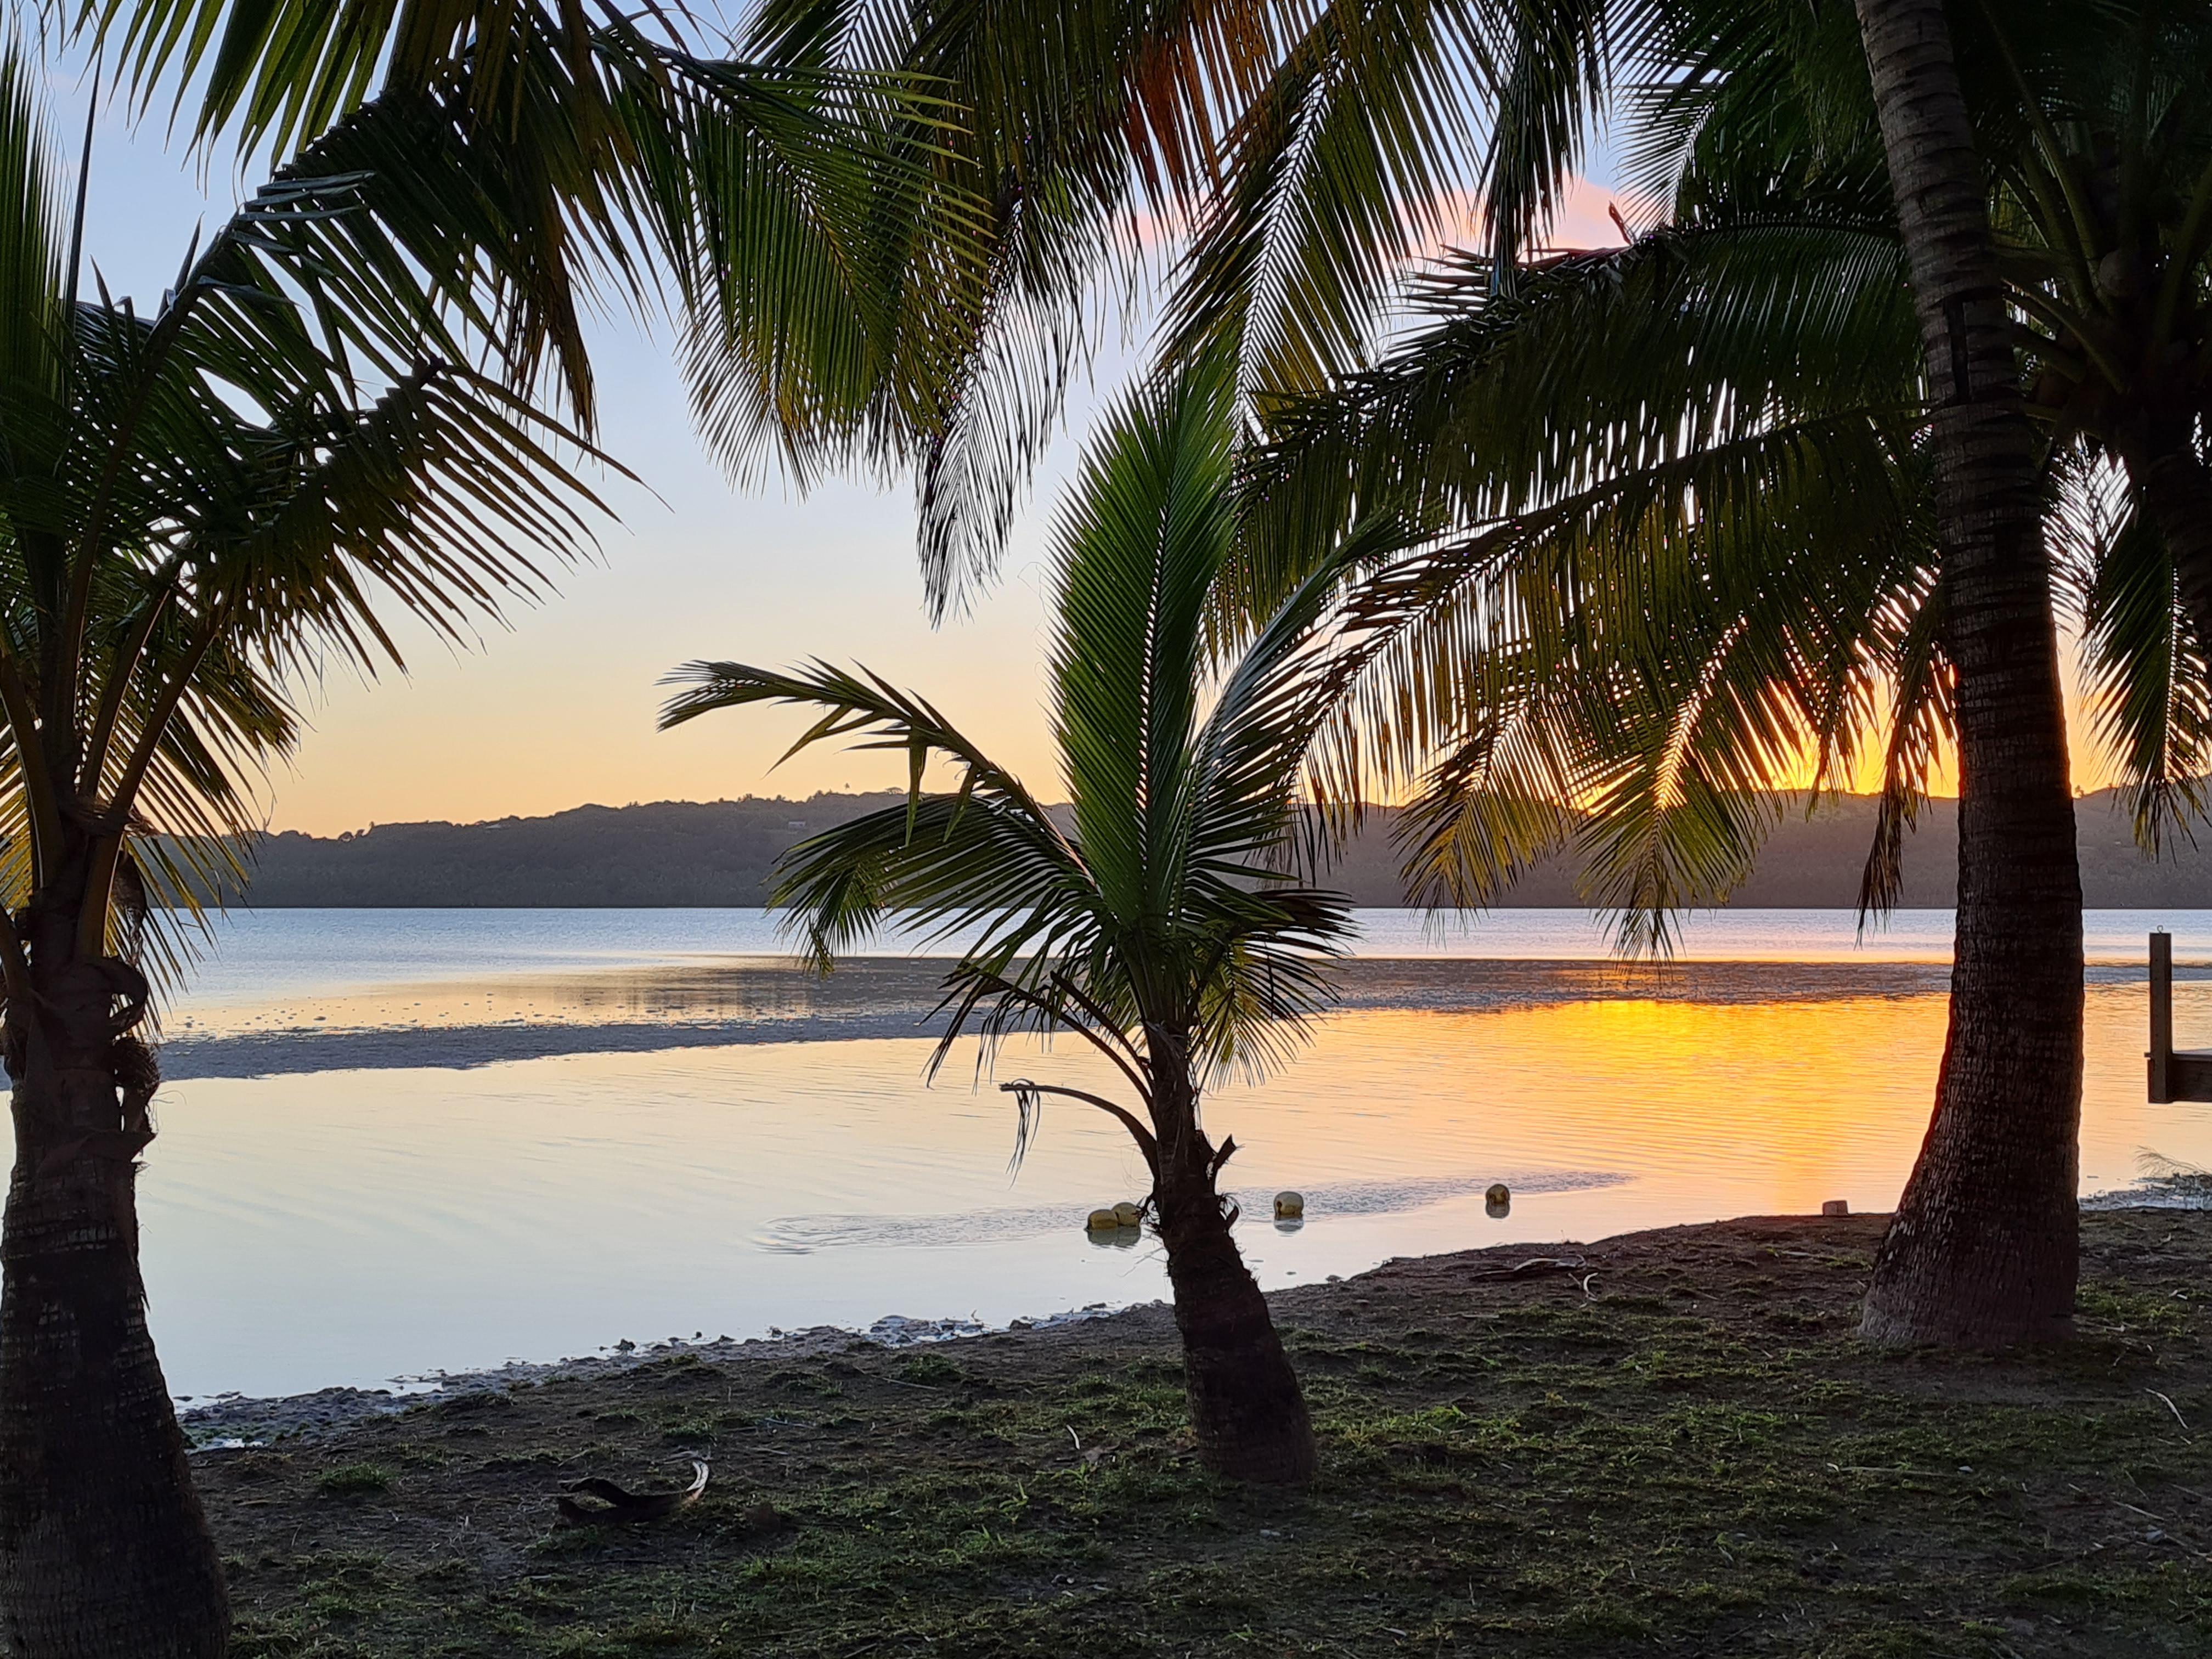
point(396, 1142)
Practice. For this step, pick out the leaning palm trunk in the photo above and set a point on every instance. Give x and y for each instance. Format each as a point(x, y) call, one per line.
point(103, 1548)
point(1984, 1248)
point(1248, 1416)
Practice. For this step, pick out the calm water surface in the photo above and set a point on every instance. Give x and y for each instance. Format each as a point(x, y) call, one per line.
point(373, 1209)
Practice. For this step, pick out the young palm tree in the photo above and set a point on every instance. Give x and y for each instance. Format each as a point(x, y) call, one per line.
point(197, 501)
point(1158, 928)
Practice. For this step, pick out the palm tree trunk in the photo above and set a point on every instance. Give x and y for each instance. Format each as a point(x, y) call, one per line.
point(1983, 1250)
point(1247, 1411)
point(104, 1551)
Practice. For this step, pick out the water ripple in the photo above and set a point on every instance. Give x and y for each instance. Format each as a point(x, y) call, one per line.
point(802, 1234)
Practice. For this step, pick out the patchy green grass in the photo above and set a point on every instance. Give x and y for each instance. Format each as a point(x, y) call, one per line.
point(354, 1480)
point(1688, 1453)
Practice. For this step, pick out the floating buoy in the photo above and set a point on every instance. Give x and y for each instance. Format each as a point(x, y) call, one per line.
point(1836, 1206)
point(1290, 1206)
point(1128, 1214)
point(1498, 1200)
point(1102, 1221)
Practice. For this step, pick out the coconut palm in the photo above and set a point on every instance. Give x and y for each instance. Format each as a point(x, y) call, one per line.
point(789, 209)
point(1985, 1247)
point(198, 500)
point(1291, 154)
point(1158, 925)
point(1718, 443)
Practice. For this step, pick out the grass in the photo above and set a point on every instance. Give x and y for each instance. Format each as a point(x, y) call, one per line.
point(1690, 1454)
point(353, 1481)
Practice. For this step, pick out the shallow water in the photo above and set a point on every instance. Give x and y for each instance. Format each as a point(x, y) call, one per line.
point(367, 1212)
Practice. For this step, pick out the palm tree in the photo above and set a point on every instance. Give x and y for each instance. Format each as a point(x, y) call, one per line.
point(923, 312)
point(1158, 927)
point(1673, 419)
point(197, 502)
point(1985, 1245)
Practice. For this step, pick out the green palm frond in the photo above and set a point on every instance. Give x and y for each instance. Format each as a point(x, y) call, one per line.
point(1677, 534)
point(2144, 667)
point(886, 228)
point(202, 503)
point(1161, 909)
point(1344, 167)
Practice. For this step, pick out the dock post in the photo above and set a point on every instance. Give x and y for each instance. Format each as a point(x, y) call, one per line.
point(2161, 1018)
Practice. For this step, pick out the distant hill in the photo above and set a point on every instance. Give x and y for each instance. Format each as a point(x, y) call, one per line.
point(674, 853)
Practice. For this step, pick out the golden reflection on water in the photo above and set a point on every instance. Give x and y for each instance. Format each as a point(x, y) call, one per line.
point(348, 1225)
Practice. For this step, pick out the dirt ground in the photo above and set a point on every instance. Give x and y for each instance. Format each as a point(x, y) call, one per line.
point(1665, 1443)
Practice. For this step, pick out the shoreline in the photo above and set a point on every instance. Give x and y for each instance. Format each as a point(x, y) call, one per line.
point(749, 1001)
point(1662, 1441)
point(237, 1421)
point(242, 1422)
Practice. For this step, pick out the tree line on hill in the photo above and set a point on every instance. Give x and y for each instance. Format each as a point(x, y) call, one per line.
point(713, 853)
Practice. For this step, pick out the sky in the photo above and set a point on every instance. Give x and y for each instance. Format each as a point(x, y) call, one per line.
point(555, 708)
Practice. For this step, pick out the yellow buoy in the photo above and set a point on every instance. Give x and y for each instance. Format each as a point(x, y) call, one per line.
point(1290, 1206)
point(1498, 1200)
point(1102, 1221)
point(1128, 1214)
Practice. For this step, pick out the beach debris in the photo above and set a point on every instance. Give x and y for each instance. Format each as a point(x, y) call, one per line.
point(1290, 1206)
point(2165, 1184)
point(1498, 1200)
point(2170, 1406)
point(1538, 1264)
point(628, 1507)
point(1836, 1206)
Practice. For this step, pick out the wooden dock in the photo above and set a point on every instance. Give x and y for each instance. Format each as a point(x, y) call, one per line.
point(2175, 1073)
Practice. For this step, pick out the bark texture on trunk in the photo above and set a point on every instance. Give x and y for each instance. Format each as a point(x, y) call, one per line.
point(1247, 1411)
point(104, 1551)
point(1984, 1250)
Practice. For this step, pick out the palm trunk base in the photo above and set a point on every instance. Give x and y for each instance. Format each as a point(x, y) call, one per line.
point(104, 1551)
point(1952, 1273)
point(1986, 1249)
point(1247, 1411)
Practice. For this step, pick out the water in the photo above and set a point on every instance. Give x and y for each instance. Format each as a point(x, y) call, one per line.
point(652, 1146)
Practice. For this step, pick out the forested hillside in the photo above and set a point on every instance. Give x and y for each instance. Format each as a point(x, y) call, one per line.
point(718, 853)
